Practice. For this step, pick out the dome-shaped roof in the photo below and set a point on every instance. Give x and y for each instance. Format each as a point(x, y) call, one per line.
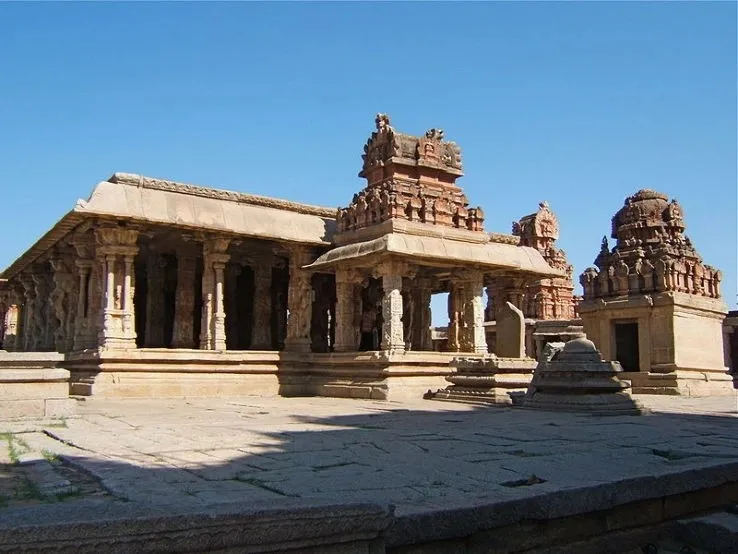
point(646, 209)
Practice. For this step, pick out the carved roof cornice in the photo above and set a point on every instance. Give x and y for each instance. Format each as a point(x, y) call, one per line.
point(219, 194)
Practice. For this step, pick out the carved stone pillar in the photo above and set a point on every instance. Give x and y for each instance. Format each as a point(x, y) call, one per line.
point(421, 328)
point(184, 305)
point(299, 301)
point(261, 329)
point(62, 301)
point(347, 282)
point(28, 332)
point(11, 323)
point(473, 336)
point(393, 339)
point(116, 248)
point(44, 323)
point(213, 334)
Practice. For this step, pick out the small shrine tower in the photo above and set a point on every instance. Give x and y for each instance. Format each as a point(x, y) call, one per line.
point(652, 304)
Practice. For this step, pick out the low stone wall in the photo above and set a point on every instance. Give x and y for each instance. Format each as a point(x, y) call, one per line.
point(349, 529)
point(620, 516)
point(32, 384)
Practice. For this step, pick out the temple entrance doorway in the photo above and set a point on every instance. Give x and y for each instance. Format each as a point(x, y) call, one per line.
point(626, 346)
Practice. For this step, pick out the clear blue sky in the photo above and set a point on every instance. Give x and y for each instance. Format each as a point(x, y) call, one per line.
point(580, 104)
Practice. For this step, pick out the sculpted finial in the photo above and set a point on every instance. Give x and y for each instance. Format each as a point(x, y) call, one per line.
point(382, 122)
point(605, 247)
point(434, 134)
point(543, 205)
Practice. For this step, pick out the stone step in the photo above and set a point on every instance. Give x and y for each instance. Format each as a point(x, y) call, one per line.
point(716, 532)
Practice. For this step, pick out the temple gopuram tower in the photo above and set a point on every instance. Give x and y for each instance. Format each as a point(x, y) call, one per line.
point(653, 305)
point(551, 298)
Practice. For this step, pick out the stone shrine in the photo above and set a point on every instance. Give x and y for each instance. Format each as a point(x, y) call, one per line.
point(157, 288)
point(577, 379)
point(653, 305)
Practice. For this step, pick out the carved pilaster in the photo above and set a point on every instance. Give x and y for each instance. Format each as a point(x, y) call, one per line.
point(212, 334)
point(261, 329)
point(299, 300)
point(184, 306)
point(116, 248)
point(347, 308)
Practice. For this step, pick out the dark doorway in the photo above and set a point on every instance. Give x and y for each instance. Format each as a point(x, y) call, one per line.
point(626, 346)
point(140, 301)
point(239, 306)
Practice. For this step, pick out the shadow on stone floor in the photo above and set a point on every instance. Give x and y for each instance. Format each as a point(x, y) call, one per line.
point(450, 475)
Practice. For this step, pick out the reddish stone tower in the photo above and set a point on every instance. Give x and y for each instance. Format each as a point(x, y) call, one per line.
point(548, 298)
point(410, 178)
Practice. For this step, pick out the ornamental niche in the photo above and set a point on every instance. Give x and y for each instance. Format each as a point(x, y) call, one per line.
point(652, 253)
point(411, 178)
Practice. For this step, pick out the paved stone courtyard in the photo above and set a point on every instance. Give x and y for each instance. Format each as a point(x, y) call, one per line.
point(419, 456)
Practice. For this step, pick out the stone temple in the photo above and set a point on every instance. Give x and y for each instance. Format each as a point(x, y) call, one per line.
point(156, 288)
point(153, 288)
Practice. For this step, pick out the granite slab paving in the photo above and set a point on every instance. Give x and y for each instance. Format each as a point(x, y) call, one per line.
point(417, 456)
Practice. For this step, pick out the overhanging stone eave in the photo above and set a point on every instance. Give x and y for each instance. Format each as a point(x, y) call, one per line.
point(61, 229)
point(523, 261)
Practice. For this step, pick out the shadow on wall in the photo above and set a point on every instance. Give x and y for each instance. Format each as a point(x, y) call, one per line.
point(498, 477)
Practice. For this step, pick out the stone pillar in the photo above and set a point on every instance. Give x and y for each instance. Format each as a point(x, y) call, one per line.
point(422, 336)
point(82, 321)
point(299, 301)
point(212, 334)
point(43, 326)
point(455, 314)
point(28, 331)
point(471, 290)
point(346, 310)
point(62, 302)
point(184, 305)
point(261, 328)
point(11, 323)
point(393, 339)
point(116, 248)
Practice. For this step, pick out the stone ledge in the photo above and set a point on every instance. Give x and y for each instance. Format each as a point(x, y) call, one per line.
point(134, 528)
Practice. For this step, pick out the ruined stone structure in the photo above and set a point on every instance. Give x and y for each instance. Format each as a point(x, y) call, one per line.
point(158, 288)
point(652, 304)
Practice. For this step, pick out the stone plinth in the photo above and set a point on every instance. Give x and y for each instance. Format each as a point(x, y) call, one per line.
point(33, 385)
point(577, 379)
point(487, 380)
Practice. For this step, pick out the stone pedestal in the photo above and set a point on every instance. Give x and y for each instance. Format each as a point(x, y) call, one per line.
point(213, 334)
point(299, 301)
point(487, 380)
point(576, 379)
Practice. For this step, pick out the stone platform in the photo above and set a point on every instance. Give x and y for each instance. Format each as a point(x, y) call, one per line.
point(32, 384)
point(178, 373)
point(487, 380)
point(320, 474)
